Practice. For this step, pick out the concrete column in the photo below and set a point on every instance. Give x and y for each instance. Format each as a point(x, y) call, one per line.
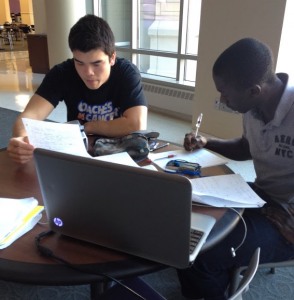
point(40, 16)
point(4, 12)
point(61, 15)
point(26, 11)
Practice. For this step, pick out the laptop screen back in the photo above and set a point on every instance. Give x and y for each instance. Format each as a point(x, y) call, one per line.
point(133, 210)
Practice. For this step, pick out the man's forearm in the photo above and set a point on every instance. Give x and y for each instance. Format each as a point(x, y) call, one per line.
point(133, 119)
point(234, 149)
point(113, 128)
point(18, 128)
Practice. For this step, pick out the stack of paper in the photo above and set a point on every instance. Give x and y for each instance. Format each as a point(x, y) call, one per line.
point(224, 191)
point(17, 216)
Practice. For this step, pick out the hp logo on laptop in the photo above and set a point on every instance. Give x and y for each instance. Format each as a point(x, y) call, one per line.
point(58, 222)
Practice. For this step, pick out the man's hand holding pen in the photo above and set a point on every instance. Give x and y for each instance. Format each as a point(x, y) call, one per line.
point(192, 142)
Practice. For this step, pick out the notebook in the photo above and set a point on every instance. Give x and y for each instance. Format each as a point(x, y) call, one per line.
point(133, 210)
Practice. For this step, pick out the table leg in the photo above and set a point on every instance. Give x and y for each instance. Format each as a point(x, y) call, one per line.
point(98, 288)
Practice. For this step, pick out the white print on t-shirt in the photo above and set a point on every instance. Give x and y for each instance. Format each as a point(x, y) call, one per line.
point(284, 143)
point(104, 112)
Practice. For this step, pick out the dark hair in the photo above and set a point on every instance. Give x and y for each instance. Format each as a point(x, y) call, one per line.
point(245, 63)
point(91, 33)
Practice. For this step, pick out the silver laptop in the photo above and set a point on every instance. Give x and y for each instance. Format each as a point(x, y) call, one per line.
point(134, 210)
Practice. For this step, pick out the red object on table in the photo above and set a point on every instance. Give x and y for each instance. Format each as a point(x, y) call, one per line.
point(169, 156)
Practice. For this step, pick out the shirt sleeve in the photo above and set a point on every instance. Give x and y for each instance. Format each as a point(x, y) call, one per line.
point(132, 93)
point(52, 86)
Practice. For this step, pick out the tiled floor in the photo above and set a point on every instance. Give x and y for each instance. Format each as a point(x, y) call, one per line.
point(18, 83)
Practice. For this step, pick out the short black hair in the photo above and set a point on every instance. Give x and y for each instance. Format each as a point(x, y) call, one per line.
point(245, 63)
point(91, 33)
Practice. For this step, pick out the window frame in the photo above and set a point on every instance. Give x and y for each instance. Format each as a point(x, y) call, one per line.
point(180, 55)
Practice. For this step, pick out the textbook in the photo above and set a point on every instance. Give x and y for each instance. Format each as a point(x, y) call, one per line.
point(17, 216)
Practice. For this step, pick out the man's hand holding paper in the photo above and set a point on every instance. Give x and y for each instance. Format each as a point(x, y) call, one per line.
point(20, 150)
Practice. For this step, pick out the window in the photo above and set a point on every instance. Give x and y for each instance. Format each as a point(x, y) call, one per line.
point(159, 36)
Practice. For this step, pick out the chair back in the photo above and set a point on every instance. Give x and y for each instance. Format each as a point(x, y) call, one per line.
point(25, 28)
point(248, 276)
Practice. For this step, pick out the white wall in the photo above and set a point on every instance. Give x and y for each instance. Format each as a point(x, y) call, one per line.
point(222, 23)
point(285, 61)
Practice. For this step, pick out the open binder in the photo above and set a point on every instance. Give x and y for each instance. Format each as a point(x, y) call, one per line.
point(17, 216)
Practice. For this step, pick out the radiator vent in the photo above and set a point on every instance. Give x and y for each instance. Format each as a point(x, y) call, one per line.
point(147, 87)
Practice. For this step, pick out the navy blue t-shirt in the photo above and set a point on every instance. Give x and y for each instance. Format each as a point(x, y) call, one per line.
point(122, 91)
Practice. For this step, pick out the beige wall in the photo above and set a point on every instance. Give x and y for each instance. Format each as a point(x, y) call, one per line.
point(222, 23)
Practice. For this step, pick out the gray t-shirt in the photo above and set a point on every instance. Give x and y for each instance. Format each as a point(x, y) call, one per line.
point(272, 146)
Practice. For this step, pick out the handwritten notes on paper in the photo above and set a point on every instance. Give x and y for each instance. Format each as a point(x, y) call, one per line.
point(224, 191)
point(67, 138)
point(58, 137)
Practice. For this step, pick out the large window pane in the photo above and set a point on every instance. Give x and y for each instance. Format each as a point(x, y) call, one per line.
point(118, 16)
point(157, 65)
point(190, 70)
point(193, 26)
point(156, 28)
point(159, 25)
point(122, 54)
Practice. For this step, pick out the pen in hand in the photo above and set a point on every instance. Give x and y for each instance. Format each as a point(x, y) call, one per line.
point(198, 123)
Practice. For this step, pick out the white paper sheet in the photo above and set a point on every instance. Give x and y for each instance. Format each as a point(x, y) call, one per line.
point(150, 167)
point(201, 156)
point(122, 158)
point(225, 191)
point(60, 137)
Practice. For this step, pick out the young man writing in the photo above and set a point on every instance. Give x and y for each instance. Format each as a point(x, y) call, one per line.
point(100, 90)
point(244, 76)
